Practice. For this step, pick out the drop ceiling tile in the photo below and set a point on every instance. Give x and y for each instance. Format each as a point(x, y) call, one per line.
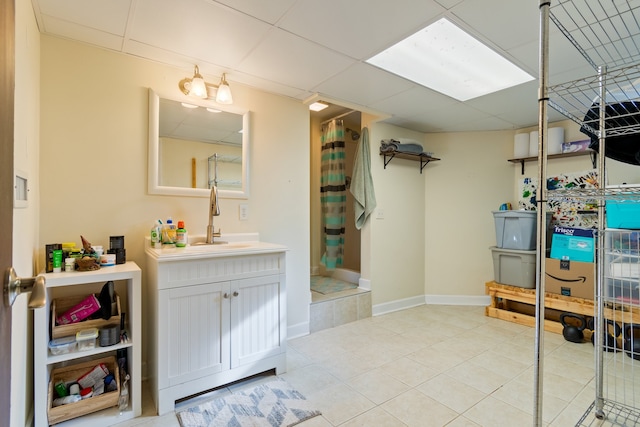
point(84, 34)
point(415, 101)
point(363, 84)
point(269, 11)
point(109, 16)
point(290, 60)
point(208, 31)
point(359, 28)
point(521, 97)
point(505, 23)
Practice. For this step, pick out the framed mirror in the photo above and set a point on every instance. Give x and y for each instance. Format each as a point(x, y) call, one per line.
point(194, 144)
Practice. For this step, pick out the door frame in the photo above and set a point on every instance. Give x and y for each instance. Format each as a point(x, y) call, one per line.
point(7, 91)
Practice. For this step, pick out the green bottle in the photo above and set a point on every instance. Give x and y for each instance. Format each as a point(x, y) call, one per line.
point(181, 235)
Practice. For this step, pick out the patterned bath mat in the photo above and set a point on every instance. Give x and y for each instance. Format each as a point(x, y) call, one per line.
point(273, 404)
point(329, 285)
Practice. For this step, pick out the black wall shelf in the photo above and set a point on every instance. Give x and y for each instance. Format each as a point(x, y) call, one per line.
point(522, 160)
point(422, 158)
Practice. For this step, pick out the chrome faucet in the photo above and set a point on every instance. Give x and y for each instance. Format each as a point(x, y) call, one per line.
point(214, 210)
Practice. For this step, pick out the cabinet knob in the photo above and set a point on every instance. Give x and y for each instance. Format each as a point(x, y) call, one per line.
point(226, 295)
point(235, 293)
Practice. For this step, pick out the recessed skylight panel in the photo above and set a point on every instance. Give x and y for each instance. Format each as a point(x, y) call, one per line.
point(446, 59)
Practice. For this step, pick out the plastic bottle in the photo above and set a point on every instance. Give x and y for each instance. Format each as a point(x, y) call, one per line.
point(169, 233)
point(156, 235)
point(181, 235)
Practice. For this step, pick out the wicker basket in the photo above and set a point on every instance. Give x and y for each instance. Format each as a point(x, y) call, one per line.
point(71, 373)
point(61, 305)
point(87, 264)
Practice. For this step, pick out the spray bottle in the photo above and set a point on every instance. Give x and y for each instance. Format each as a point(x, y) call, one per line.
point(156, 235)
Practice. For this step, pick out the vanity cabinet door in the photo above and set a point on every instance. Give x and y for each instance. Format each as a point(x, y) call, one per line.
point(194, 331)
point(257, 319)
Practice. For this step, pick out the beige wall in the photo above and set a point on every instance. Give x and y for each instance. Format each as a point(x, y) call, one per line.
point(397, 241)
point(472, 179)
point(94, 107)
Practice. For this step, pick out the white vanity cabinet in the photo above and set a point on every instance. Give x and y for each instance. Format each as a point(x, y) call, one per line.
point(216, 317)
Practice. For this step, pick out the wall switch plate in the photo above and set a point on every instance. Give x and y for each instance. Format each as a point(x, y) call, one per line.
point(243, 211)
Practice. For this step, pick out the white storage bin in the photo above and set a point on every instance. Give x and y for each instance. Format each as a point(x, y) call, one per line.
point(514, 267)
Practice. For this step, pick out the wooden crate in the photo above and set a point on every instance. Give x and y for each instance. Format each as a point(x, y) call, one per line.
point(518, 305)
point(60, 305)
point(71, 373)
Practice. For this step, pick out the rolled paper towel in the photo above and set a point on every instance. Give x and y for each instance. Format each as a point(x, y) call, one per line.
point(533, 143)
point(521, 145)
point(556, 139)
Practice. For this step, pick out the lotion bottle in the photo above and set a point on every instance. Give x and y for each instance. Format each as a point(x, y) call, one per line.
point(181, 235)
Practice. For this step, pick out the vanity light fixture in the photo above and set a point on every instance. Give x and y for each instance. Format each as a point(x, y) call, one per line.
point(196, 86)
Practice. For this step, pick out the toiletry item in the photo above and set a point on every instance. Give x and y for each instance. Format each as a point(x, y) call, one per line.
point(123, 400)
point(67, 248)
point(169, 233)
point(48, 255)
point(67, 399)
point(86, 393)
point(107, 260)
point(156, 240)
point(99, 251)
point(181, 235)
point(61, 389)
point(69, 264)
point(98, 373)
point(80, 311)
point(57, 261)
point(74, 389)
point(120, 254)
point(116, 242)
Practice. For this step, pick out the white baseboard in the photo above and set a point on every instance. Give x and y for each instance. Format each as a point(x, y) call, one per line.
point(298, 330)
point(390, 307)
point(482, 300)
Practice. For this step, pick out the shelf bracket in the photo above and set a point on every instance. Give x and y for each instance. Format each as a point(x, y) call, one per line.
point(423, 163)
point(522, 167)
point(386, 162)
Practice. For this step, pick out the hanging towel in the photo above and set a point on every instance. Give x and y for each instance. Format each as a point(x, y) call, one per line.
point(362, 183)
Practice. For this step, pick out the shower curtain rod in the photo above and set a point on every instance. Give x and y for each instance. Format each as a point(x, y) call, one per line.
point(339, 116)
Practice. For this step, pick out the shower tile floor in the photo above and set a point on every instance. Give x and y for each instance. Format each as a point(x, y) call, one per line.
point(430, 366)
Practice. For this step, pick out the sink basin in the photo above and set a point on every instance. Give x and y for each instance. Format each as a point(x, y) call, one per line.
point(217, 246)
point(229, 245)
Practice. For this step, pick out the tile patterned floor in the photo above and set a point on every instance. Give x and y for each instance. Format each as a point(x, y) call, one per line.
point(430, 366)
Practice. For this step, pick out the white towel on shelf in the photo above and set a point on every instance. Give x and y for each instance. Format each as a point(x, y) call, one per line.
point(362, 182)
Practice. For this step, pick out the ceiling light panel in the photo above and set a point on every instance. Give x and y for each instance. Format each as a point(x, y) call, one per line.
point(445, 58)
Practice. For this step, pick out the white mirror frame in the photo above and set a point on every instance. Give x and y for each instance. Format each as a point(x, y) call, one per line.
point(154, 186)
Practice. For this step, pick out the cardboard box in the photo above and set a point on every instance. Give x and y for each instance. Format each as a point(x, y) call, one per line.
point(574, 244)
point(570, 278)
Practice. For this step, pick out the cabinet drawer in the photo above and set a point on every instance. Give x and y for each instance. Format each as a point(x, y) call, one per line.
point(190, 272)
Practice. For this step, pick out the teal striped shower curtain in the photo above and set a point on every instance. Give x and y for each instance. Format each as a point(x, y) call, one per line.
point(333, 192)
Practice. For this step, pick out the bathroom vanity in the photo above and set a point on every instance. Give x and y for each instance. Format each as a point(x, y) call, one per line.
point(218, 315)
